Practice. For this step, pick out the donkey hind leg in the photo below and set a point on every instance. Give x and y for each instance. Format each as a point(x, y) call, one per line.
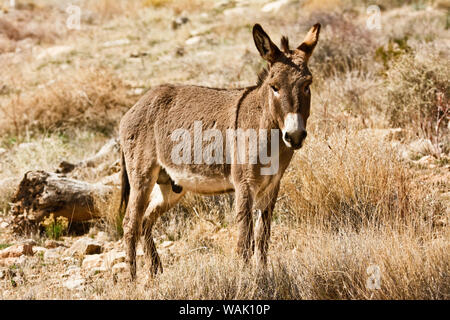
point(244, 217)
point(162, 199)
point(140, 189)
point(262, 228)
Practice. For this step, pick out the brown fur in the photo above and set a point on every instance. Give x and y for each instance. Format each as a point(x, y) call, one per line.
point(145, 132)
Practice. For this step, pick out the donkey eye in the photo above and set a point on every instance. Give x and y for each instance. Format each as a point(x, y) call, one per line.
point(275, 89)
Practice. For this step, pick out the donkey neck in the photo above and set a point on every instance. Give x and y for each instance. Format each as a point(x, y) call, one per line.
point(253, 109)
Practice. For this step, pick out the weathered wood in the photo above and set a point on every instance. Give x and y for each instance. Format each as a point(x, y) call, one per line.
point(97, 161)
point(41, 193)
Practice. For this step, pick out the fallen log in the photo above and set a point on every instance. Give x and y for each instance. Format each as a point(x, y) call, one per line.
point(97, 160)
point(41, 193)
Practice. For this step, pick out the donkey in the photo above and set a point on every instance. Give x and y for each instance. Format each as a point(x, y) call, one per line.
point(152, 183)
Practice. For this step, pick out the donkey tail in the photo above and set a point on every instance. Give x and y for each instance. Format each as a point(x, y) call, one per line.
point(125, 188)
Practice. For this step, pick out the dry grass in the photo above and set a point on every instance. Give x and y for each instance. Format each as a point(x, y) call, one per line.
point(89, 98)
point(348, 200)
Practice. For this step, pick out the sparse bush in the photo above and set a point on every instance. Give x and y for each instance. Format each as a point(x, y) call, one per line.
point(93, 99)
point(418, 94)
point(344, 46)
point(55, 228)
point(352, 180)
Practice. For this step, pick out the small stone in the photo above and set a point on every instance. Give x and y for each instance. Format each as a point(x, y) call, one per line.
point(92, 261)
point(166, 244)
point(120, 267)
point(53, 52)
point(51, 254)
point(4, 225)
point(40, 250)
point(178, 22)
point(116, 43)
point(239, 11)
point(274, 6)
point(98, 270)
point(102, 236)
point(193, 40)
point(426, 160)
point(113, 257)
point(74, 284)
point(17, 250)
point(85, 246)
point(51, 244)
point(71, 271)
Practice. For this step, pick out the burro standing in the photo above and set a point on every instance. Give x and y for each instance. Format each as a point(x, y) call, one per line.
point(184, 138)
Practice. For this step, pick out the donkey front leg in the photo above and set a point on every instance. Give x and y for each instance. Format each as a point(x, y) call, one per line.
point(263, 228)
point(244, 205)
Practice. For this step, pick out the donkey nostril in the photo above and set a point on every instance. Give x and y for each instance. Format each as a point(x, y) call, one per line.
point(303, 135)
point(287, 137)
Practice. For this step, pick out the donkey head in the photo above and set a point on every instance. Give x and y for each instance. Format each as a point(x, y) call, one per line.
point(286, 83)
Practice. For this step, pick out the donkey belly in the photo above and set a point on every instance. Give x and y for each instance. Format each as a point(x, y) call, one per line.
point(198, 183)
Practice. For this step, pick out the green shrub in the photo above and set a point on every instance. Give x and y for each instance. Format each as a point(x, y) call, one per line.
point(55, 228)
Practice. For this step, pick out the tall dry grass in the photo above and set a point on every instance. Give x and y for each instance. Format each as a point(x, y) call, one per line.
point(349, 204)
point(91, 98)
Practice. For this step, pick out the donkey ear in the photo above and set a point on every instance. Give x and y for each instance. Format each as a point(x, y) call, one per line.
point(310, 41)
point(267, 49)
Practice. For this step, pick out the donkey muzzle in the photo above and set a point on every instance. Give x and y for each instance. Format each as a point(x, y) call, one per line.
point(295, 139)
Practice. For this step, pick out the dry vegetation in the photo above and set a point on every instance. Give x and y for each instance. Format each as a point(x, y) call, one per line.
point(370, 187)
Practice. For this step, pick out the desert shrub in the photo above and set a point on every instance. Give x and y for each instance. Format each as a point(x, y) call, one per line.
point(395, 48)
point(55, 227)
point(418, 94)
point(344, 45)
point(352, 180)
point(93, 99)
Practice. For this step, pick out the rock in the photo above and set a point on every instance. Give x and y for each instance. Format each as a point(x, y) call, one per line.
point(52, 254)
point(74, 284)
point(72, 271)
point(120, 267)
point(84, 246)
point(115, 43)
point(275, 6)
point(97, 270)
point(193, 40)
point(421, 146)
point(178, 22)
point(4, 225)
point(53, 52)
point(2, 151)
point(385, 134)
point(223, 4)
point(425, 160)
point(92, 261)
point(102, 237)
point(7, 262)
point(69, 260)
point(166, 244)
point(51, 244)
point(39, 250)
point(233, 12)
point(113, 257)
point(17, 250)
